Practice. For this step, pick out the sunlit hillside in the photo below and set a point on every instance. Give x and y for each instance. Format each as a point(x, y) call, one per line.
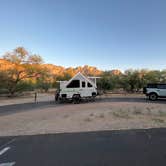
point(21, 70)
point(57, 70)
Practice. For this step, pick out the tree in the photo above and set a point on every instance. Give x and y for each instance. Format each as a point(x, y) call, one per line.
point(109, 81)
point(104, 83)
point(163, 76)
point(44, 81)
point(23, 66)
point(153, 76)
point(3, 79)
point(131, 80)
point(21, 56)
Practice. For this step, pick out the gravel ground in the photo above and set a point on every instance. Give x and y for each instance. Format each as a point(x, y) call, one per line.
point(30, 98)
point(107, 113)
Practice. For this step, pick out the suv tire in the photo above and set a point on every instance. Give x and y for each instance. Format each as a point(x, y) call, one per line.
point(153, 96)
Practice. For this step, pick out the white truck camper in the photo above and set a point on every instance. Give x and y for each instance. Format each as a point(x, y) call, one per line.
point(77, 88)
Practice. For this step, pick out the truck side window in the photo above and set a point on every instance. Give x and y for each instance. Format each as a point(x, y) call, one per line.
point(74, 84)
point(89, 85)
point(83, 84)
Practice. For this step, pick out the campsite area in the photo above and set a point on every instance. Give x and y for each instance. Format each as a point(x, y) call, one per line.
point(107, 112)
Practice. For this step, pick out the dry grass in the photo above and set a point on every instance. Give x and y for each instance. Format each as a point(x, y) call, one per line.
point(158, 120)
point(162, 113)
point(91, 114)
point(66, 116)
point(101, 115)
point(137, 111)
point(121, 114)
point(87, 119)
point(107, 115)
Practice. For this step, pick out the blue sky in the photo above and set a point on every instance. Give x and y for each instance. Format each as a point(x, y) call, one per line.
point(107, 34)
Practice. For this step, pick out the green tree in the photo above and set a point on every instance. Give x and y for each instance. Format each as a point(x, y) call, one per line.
point(24, 66)
point(153, 76)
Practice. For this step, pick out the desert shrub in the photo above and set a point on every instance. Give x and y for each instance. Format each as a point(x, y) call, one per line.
point(43, 85)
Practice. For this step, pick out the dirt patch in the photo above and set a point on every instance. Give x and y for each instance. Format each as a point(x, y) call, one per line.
point(115, 112)
point(26, 99)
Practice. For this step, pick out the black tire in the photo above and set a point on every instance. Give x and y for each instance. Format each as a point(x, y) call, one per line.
point(93, 96)
point(153, 96)
point(76, 99)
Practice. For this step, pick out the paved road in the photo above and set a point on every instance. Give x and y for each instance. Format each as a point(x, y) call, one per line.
point(105, 148)
point(15, 108)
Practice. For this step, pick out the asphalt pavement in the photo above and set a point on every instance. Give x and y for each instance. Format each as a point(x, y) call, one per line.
point(102, 148)
point(22, 107)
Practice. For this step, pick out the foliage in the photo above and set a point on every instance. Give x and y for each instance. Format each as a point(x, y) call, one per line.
point(19, 66)
point(21, 71)
point(43, 82)
point(131, 80)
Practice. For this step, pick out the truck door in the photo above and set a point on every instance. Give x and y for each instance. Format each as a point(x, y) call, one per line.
point(86, 89)
point(83, 89)
point(161, 88)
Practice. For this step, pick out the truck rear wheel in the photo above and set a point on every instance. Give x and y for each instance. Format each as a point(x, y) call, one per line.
point(76, 99)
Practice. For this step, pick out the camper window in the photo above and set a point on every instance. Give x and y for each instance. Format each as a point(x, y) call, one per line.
point(89, 85)
point(83, 84)
point(74, 84)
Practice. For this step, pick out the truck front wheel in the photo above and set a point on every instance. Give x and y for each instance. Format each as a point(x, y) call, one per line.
point(93, 96)
point(153, 96)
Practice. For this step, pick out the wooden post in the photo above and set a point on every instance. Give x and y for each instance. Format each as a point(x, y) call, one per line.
point(35, 97)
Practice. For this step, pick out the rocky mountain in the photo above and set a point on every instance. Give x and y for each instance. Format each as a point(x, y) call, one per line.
point(59, 71)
